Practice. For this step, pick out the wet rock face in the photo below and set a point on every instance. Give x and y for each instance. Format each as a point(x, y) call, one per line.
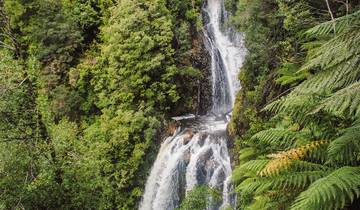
point(201, 60)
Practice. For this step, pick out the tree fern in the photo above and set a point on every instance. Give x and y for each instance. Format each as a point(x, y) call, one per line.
point(300, 165)
point(247, 153)
point(283, 160)
point(331, 192)
point(341, 24)
point(280, 138)
point(345, 102)
point(263, 202)
point(295, 105)
point(332, 79)
point(335, 51)
point(253, 166)
point(286, 181)
point(306, 174)
point(346, 148)
point(298, 180)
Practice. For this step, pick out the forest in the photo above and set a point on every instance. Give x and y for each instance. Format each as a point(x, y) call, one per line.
point(89, 89)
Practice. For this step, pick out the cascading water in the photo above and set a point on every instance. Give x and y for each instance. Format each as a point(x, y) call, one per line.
point(198, 154)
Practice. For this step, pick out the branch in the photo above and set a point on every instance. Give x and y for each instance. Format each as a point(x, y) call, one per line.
point(331, 15)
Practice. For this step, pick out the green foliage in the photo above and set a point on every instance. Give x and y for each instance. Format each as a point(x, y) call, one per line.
point(200, 197)
point(332, 191)
point(312, 162)
point(86, 86)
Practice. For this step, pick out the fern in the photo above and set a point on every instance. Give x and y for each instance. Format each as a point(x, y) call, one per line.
point(263, 202)
point(298, 180)
point(247, 153)
point(332, 79)
point(283, 160)
point(253, 165)
point(346, 148)
point(295, 105)
point(250, 168)
point(311, 174)
point(345, 102)
point(276, 137)
point(341, 24)
point(249, 185)
point(331, 192)
point(337, 50)
point(300, 165)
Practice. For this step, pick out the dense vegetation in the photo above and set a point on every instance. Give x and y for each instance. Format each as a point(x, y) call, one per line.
point(297, 129)
point(87, 88)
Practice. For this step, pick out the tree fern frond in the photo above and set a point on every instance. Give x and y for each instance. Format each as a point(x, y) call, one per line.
point(263, 202)
point(283, 160)
point(285, 182)
point(335, 78)
point(341, 24)
point(337, 50)
point(277, 137)
point(344, 102)
point(250, 168)
point(247, 153)
point(332, 191)
point(253, 165)
point(249, 185)
point(295, 105)
point(298, 180)
point(345, 148)
point(300, 165)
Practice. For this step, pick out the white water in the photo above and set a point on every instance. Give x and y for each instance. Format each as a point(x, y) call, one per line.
point(198, 154)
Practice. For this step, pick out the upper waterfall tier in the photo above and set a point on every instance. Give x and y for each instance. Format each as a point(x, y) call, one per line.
point(227, 55)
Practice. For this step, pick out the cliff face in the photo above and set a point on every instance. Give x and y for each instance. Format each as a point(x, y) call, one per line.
point(201, 60)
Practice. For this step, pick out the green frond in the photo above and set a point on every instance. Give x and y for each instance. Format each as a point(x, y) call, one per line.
point(282, 138)
point(250, 168)
point(298, 180)
point(334, 52)
point(247, 153)
point(345, 102)
point(250, 185)
point(295, 105)
point(263, 202)
point(300, 165)
point(332, 79)
point(341, 24)
point(331, 192)
point(288, 74)
point(253, 165)
point(346, 148)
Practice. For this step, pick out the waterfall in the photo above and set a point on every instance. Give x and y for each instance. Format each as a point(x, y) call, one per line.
point(198, 154)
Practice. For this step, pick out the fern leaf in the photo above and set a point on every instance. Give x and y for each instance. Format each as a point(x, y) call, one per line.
point(263, 202)
point(345, 148)
point(331, 192)
point(332, 79)
point(341, 24)
point(298, 180)
point(283, 160)
point(254, 165)
point(247, 153)
point(344, 102)
point(277, 137)
point(300, 165)
point(295, 105)
point(337, 50)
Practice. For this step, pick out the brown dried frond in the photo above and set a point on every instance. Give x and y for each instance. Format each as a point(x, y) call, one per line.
point(282, 160)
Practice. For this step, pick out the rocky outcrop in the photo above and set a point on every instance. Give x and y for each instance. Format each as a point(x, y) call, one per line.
point(201, 60)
